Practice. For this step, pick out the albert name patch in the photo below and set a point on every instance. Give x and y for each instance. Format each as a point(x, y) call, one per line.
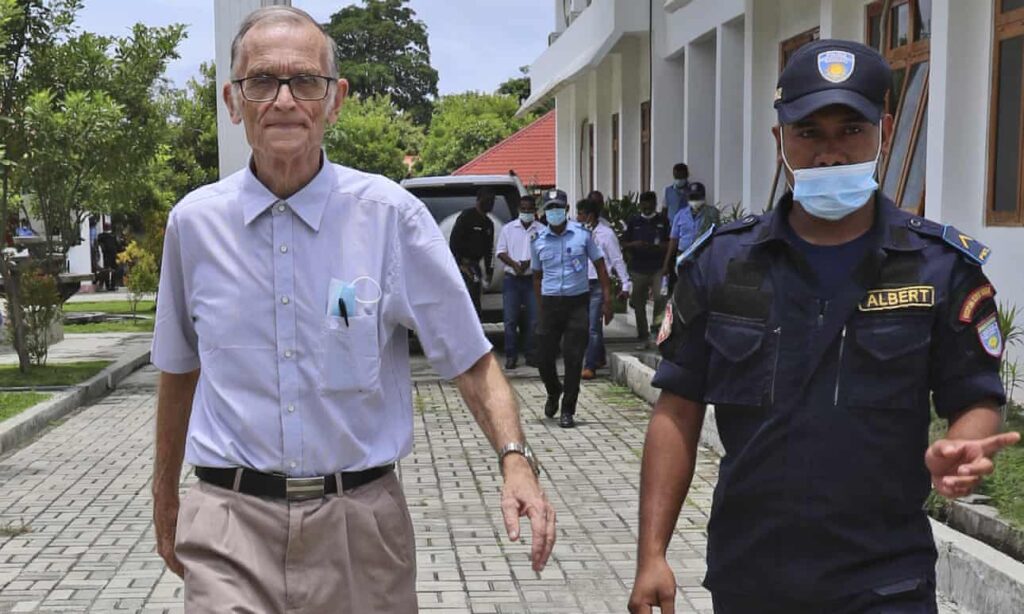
point(886, 299)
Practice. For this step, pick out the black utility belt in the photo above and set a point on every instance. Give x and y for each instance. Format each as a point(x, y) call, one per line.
point(274, 486)
point(566, 299)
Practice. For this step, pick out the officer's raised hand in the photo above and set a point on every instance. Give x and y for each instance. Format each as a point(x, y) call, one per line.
point(957, 465)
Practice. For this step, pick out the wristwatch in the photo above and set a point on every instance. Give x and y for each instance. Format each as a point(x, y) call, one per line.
point(523, 448)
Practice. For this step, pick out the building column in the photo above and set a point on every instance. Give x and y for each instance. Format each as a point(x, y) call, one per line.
point(842, 19)
point(232, 147)
point(602, 120)
point(668, 108)
point(761, 57)
point(728, 188)
point(701, 107)
point(630, 116)
point(565, 103)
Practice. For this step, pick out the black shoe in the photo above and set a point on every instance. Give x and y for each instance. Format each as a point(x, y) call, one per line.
point(567, 421)
point(510, 363)
point(551, 407)
point(532, 363)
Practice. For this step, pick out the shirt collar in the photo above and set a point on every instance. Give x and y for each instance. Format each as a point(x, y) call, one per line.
point(890, 225)
point(308, 203)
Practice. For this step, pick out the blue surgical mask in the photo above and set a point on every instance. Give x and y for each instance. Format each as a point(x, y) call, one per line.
point(556, 216)
point(527, 218)
point(834, 192)
point(680, 183)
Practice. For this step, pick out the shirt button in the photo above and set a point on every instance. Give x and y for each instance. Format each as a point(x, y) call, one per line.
point(293, 464)
point(285, 300)
point(291, 408)
point(284, 249)
point(280, 208)
point(287, 353)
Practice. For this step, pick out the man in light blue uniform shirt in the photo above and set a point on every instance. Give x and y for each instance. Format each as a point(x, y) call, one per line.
point(287, 294)
point(560, 254)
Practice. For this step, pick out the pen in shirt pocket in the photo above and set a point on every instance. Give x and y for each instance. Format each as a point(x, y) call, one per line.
point(343, 310)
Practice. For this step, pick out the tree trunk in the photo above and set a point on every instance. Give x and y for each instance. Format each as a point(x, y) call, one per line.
point(11, 289)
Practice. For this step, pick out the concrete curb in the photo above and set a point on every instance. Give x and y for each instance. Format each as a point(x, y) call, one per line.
point(983, 521)
point(22, 428)
point(975, 576)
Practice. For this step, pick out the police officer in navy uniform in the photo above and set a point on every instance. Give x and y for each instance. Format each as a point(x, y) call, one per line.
point(559, 261)
point(820, 332)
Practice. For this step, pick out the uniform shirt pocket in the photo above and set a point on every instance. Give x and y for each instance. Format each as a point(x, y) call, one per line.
point(890, 361)
point(739, 368)
point(350, 354)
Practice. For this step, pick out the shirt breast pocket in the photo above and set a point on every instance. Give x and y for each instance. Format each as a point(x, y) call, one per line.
point(739, 365)
point(350, 354)
point(889, 363)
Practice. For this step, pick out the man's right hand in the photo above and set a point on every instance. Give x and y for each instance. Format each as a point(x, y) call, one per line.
point(165, 523)
point(655, 585)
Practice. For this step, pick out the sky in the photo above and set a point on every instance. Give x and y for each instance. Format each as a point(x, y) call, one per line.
point(474, 44)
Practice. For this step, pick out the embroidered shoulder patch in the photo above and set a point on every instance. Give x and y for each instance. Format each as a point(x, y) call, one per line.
point(666, 325)
point(990, 337)
point(696, 245)
point(885, 299)
point(973, 300)
point(966, 244)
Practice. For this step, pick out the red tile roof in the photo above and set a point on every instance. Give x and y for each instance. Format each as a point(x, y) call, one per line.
point(529, 152)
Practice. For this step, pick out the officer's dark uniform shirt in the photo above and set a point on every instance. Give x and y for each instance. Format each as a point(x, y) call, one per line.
point(473, 237)
point(822, 405)
point(653, 231)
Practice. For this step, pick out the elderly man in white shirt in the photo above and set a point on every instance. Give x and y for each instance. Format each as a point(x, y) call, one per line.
point(517, 285)
point(588, 213)
point(286, 297)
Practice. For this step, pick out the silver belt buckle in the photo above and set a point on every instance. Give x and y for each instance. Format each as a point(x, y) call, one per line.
point(297, 489)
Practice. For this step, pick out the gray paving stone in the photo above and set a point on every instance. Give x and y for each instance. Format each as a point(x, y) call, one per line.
point(83, 490)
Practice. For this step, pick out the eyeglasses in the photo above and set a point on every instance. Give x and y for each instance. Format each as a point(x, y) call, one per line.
point(264, 88)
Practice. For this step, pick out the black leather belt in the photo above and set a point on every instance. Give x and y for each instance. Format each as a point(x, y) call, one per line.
point(251, 482)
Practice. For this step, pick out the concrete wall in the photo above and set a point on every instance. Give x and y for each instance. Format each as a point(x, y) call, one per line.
point(233, 148)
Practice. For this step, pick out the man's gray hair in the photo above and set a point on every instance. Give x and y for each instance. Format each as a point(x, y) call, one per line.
point(283, 14)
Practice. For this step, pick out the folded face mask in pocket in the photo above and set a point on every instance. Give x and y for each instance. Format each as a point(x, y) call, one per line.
point(341, 291)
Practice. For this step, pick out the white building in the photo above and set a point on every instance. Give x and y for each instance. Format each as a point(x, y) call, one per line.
point(706, 99)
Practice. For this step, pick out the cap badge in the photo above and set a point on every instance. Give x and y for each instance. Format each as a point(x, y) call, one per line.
point(836, 66)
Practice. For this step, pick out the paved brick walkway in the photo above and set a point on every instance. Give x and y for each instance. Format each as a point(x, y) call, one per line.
point(82, 491)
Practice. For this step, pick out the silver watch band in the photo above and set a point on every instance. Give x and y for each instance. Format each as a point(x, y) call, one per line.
point(516, 447)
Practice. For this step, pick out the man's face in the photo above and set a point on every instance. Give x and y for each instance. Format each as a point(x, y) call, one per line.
point(527, 207)
point(284, 127)
point(835, 135)
point(486, 204)
point(647, 207)
point(679, 174)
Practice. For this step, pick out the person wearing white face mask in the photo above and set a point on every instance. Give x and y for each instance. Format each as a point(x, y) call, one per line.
point(824, 332)
point(676, 192)
point(517, 286)
point(645, 241)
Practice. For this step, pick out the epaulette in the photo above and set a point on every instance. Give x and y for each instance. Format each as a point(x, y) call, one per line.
point(699, 243)
point(972, 249)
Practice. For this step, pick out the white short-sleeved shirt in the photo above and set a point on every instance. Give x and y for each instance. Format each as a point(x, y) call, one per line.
point(285, 386)
point(515, 240)
point(604, 236)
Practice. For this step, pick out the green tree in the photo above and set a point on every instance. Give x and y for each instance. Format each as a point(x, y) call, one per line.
point(190, 153)
point(27, 28)
point(464, 126)
point(373, 135)
point(383, 49)
point(519, 88)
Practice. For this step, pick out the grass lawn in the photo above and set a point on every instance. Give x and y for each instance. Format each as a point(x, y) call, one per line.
point(138, 326)
point(13, 403)
point(65, 374)
point(145, 307)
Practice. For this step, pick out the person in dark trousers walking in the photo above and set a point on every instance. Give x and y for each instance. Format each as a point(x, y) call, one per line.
point(825, 333)
point(109, 248)
point(517, 285)
point(646, 240)
point(472, 241)
point(559, 259)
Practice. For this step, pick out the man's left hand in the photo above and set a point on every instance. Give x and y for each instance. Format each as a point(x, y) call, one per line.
point(522, 496)
point(957, 465)
point(488, 277)
point(609, 313)
point(624, 295)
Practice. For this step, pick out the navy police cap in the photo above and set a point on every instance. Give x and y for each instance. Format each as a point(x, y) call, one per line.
point(828, 72)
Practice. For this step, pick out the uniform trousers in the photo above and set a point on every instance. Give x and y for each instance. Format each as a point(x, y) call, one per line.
point(911, 596)
point(347, 553)
point(563, 321)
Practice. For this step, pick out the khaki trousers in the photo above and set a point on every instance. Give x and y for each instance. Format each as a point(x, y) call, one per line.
point(340, 554)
